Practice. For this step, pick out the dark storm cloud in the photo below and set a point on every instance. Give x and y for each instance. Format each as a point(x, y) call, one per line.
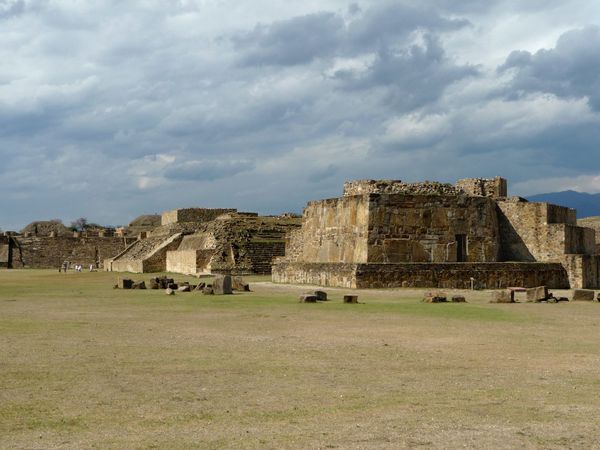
point(294, 41)
point(570, 70)
point(300, 40)
point(387, 22)
point(414, 77)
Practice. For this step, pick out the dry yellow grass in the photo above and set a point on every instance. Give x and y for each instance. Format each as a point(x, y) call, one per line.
point(86, 366)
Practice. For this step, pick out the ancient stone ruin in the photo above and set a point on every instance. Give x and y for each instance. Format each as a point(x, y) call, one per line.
point(387, 233)
point(48, 244)
point(202, 241)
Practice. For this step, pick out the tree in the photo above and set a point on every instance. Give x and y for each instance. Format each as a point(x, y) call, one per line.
point(79, 224)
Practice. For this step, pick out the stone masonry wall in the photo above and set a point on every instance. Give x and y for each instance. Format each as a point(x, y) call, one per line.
point(424, 228)
point(39, 252)
point(333, 230)
point(182, 261)
point(423, 275)
point(5, 253)
point(196, 215)
point(363, 187)
point(534, 232)
point(583, 270)
point(494, 187)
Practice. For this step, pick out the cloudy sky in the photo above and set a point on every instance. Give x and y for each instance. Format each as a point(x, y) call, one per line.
point(110, 109)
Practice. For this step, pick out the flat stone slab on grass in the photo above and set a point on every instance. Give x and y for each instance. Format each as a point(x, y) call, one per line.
point(351, 299)
point(537, 294)
point(435, 297)
point(504, 296)
point(583, 295)
point(321, 295)
point(308, 298)
point(238, 284)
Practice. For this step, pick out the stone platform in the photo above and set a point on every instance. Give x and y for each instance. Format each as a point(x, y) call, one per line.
point(494, 275)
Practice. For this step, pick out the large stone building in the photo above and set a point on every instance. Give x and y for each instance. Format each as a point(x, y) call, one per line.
point(202, 240)
point(48, 244)
point(388, 233)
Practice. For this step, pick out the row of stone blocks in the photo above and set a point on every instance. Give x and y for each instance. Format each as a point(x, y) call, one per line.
point(541, 294)
point(221, 285)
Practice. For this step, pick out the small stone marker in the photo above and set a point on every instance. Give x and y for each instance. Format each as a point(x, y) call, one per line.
point(208, 290)
point(321, 295)
point(169, 291)
point(458, 299)
point(173, 286)
point(222, 285)
point(435, 297)
point(351, 299)
point(502, 297)
point(308, 298)
point(124, 283)
point(184, 288)
point(154, 283)
point(583, 295)
point(537, 294)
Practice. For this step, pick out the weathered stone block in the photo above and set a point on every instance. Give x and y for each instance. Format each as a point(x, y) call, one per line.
point(583, 295)
point(222, 285)
point(208, 290)
point(321, 295)
point(238, 284)
point(169, 291)
point(537, 294)
point(184, 288)
point(458, 299)
point(502, 297)
point(435, 297)
point(353, 299)
point(308, 298)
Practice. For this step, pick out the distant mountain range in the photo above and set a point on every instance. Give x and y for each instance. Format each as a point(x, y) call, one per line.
point(587, 205)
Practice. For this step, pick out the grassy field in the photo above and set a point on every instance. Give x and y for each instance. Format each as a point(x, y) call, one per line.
point(86, 366)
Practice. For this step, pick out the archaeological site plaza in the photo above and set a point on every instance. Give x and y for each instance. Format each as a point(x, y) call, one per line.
point(379, 234)
point(389, 234)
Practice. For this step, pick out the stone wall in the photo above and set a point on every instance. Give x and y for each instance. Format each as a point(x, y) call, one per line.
point(182, 261)
point(41, 252)
point(593, 223)
point(390, 228)
point(196, 215)
point(423, 275)
point(424, 228)
point(583, 270)
point(334, 230)
point(540, 232)
point(484, 187)
point(5, 257)
point(363, 187)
